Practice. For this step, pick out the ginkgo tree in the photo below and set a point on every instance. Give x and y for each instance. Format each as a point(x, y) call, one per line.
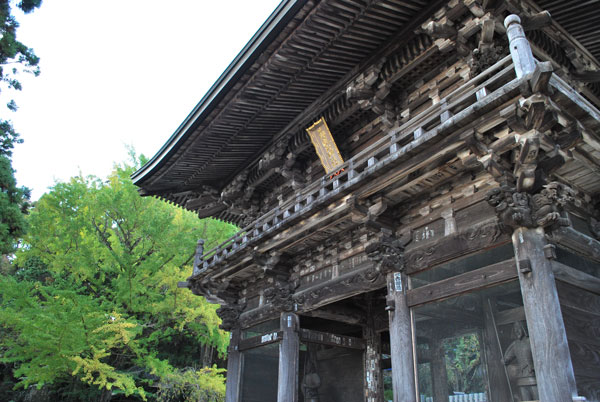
point(94, 300)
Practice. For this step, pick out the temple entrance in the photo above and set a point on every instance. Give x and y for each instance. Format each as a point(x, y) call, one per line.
point(330, 369)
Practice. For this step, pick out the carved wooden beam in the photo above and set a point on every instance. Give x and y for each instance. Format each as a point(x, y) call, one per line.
point(387, 253)
point(520, 209)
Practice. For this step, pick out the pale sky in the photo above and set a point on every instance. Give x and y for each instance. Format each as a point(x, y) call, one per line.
point(118, 73)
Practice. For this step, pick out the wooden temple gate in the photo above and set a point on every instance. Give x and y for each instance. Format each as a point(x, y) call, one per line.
point(451, 253)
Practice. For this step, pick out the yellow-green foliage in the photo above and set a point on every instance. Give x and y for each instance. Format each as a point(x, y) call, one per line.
point(191, 385)
point(95, 294)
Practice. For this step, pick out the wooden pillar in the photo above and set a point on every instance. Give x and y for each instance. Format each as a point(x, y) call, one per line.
point(439, 376)
point(401, 339)
point(234, 367)
point(289, 355)
point(373, 377)
point(551, 357)
point(520, 50)
point(499, 387)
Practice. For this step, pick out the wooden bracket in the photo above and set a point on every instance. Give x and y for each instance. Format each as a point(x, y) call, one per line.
point(525, 266)
point(550, 251)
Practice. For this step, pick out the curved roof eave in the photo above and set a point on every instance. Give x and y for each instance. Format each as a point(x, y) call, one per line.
point(265, 34)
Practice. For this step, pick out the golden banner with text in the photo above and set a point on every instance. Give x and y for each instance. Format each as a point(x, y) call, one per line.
point(324, 144)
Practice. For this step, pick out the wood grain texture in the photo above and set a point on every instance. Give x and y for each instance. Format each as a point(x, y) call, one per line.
point(234, 368)
point(401, 341)
point(497, 375)
point(549, 346)
point(575, 277)
point(479, 237)
point(581, 315)
point(373, 375)
point(480, 278)
point(289, 355)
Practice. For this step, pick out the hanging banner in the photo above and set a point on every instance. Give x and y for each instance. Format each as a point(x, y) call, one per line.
point(324, 144)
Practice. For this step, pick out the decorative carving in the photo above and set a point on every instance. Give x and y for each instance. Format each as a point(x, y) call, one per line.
point(363, 279)
point(221, 292)
point(486, 56)
point(526, 162)
point(387, 253)
point(229, 316)
point(512, 207)
point(548, 204)
point(279, 295)
point(520, 209)
point(477, 237)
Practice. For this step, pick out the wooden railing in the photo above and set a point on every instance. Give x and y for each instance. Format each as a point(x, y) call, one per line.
point(459, 107)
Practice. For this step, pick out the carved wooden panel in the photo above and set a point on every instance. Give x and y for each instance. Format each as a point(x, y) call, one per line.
point(478, 237)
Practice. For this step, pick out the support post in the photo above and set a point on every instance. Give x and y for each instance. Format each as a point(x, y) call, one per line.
point(373, 380)
point(401, 339)
point(520, 50)
point(289, 355)
point(549, 346)
point(497, 372)
point(234, 367)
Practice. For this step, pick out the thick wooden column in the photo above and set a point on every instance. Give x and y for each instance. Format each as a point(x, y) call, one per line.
point(373, 377)
point(289, 355)
point(401, 339)
point(234, 367)
point(551, 357)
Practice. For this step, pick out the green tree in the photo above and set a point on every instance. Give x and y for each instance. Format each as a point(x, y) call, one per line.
point(463, 364)
point(94, 299)
point(15, 58)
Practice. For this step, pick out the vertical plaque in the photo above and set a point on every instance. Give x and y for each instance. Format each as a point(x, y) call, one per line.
point(325, 146)
point(398, 281)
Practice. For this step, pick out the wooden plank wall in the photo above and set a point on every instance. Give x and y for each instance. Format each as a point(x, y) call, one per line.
point(581, 314)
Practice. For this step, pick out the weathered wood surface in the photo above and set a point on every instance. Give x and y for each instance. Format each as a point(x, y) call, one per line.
point(289, 353)
point(577, 241)
point(496, 370)
point(360, 280)
point(401, 339)
point(373, 375)
point(356, 171)
point(550, 349)
point(260, 340)
point(479, 237)
point(581, 315)
point(234, 368)
point(575, 277)
point(480, 278)
point(573, 297)
point(325, 338)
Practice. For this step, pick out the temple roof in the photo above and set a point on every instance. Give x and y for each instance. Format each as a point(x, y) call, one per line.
point(301, 51)
point(299, 60)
